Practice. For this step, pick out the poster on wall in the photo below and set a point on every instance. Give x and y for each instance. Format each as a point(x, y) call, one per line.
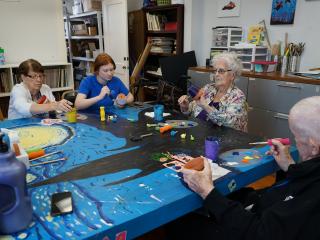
point(227, 8)
point(283, 11)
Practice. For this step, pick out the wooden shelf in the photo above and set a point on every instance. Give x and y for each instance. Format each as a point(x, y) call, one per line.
point(162, 32)
point(162, 8)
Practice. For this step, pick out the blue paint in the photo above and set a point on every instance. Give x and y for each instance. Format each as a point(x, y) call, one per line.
point(127, 112)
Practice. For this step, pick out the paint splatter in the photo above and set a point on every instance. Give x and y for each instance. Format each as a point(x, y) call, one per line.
point(155, 198)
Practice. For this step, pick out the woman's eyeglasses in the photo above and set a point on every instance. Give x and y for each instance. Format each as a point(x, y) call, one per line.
point(220, 71)
point(36, 76)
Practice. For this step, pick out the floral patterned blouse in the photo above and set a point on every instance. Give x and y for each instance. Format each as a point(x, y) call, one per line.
point(231, 111)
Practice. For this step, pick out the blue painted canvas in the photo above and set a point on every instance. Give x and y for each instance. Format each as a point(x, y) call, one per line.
point(283, 11)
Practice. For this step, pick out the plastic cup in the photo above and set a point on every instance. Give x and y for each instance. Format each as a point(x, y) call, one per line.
point(212, 147)
point(158, 112)
point(72, 116)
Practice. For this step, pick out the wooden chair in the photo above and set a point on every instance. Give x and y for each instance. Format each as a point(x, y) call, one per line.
point(1, 115)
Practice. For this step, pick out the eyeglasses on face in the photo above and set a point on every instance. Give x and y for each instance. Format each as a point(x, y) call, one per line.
point(221, 71)
point(36, 76)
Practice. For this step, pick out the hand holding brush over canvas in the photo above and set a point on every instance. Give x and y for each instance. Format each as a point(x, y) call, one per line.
point(281, 154)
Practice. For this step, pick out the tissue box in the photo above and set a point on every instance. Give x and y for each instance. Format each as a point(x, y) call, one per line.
point(91, 5)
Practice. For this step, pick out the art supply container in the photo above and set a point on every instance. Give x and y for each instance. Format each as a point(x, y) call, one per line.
point(212, 147)
point(158, 112)
point(193, 90)
point(102, 114)
point(15, 205)
point(72, 115)
point(284, 65)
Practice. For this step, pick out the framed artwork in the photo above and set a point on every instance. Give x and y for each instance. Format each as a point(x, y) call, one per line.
point(227, 8)
point(283, 11)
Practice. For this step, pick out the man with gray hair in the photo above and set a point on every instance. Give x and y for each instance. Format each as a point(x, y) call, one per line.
point(288, 210)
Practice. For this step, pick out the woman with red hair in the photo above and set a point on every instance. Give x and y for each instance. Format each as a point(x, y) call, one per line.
point(103, 88)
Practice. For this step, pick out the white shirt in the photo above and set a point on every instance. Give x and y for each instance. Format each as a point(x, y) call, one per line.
point(21, 100)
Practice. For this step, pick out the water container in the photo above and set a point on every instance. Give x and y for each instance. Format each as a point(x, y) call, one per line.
point(15, 205)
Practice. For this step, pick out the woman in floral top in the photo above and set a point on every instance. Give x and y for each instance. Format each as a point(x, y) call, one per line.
point(221, 102)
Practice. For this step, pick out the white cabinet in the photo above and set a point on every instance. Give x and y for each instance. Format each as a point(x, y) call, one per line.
point(223, 38)
point(249, 54)
point(59, 76)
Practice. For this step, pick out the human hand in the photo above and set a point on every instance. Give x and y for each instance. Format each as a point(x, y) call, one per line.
point(121, 100)
point(184, 103)
point(199, 181)
point(104, 91)
point(281, 154)
point(199, 94)
point(202, 102)
point(63, 105)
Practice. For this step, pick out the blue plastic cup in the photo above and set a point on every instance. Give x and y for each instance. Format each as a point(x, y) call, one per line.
point(158, 112)
point(212, 147)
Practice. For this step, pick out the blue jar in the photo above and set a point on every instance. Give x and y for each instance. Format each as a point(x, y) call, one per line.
point(15, 205)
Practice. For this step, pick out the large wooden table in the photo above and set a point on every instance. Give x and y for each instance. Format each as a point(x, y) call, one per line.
point(118, 186)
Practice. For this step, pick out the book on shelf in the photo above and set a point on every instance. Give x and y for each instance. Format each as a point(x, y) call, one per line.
point(156, 22)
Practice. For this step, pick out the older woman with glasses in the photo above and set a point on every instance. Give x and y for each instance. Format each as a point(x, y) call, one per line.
point(31, 96)
point(102, 89)
point(220, 102)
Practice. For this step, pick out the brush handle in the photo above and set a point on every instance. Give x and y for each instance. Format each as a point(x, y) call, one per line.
point(284, 141)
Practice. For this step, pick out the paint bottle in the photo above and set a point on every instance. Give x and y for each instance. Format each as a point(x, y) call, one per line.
point(102, 114)
point(15, 205)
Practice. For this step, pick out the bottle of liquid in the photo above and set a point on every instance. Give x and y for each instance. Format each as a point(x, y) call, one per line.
point(102, 114)
point(15, 205)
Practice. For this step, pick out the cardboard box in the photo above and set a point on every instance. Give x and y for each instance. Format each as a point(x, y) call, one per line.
point(92, 31)
point(91, 5)
point(79, 29)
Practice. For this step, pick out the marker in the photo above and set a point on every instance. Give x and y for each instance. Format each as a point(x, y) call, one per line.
point(284, 141)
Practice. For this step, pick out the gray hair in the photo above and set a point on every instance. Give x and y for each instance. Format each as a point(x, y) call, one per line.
point(231, 59)
point(304, 117)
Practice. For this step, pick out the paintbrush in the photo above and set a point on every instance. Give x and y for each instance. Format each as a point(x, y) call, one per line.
point(52, 161)
point(284, 141)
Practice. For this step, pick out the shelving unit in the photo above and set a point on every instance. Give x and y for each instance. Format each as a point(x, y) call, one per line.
point(84, 44)
point(248, 54)
point(59, 76)
point(224, 38)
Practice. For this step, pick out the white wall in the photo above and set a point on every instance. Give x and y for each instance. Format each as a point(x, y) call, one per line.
point(32, 29)
point(305, 28)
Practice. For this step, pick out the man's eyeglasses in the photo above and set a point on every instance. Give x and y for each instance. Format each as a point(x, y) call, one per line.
point(220, 71)
point(34, 77)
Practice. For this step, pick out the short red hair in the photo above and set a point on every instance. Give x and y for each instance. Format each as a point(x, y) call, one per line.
point(103, 59)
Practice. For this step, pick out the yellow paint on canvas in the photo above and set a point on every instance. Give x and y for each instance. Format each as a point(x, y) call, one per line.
point(41, 136)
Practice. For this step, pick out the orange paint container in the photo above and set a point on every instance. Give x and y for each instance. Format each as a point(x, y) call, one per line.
point(165, 128)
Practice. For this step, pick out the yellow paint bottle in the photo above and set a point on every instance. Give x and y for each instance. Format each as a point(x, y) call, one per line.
point(72, 115)
point(102, 114)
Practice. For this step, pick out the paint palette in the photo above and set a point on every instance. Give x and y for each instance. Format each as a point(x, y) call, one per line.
point(240, 157)
point(179, 123)
point(79, 116)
